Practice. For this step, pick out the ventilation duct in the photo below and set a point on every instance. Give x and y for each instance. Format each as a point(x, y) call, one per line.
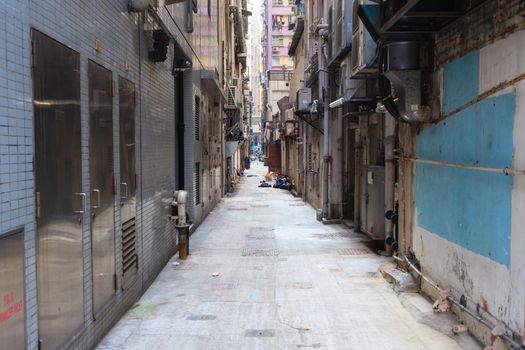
point(139, 5)
point(402, 68)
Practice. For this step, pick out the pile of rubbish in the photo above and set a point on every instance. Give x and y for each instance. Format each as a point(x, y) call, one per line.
point(283, 182)
point(280, 181)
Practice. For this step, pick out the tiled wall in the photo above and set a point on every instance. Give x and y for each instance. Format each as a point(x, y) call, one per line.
point(78, 25)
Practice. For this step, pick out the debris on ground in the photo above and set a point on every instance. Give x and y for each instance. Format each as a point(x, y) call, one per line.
point(459, 328)
point(441, 305)
point(215, 274)
point(264, 184)
point(175, 263)
point(283, 182)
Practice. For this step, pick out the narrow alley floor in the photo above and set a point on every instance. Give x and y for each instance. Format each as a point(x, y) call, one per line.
point(285, 282)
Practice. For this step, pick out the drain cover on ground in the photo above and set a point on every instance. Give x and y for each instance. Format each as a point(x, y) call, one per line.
point(296, 204)
point(238, 209)
point(354, 251)
point(260, 236)
point(331, 235)
point(201, 318)
point(260, 333)
point(299, 285)
point(260, 252)
point(259, 205)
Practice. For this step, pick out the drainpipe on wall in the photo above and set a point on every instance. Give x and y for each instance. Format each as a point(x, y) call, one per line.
point(323, 95)
point(390, 174)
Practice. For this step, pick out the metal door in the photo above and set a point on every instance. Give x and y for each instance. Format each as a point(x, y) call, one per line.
point(102, 183)
point(128, 183)
point(59, 201)
point(12, 325)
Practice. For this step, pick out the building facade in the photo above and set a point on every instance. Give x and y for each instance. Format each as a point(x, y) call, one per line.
point(410, 135)
point(105, 109)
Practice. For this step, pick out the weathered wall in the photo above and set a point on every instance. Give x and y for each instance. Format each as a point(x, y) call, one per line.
point(78, 24)
point(469, 224)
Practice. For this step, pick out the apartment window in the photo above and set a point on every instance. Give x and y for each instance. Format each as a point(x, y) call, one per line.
point(277, 2)
point(276, 61)
point(197, 183)
point(197, 117)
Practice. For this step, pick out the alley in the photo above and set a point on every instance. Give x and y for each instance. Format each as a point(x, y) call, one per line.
point(285, 282)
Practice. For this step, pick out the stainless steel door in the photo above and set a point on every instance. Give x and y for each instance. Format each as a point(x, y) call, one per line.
point(128, 185)
point(128, 182)
point(102, 183)
point(60, 203)
point(12, 325)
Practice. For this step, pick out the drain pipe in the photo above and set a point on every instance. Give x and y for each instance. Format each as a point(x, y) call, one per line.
point(390, 174)
point(501, 334)
point(180, 199)
point(323, 95)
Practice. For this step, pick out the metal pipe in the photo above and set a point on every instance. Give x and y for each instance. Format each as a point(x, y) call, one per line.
point(323, 95)
point(513, 343)
point(505, 171)
point(390, 175)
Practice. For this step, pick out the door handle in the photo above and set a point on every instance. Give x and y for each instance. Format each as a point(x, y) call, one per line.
point(126, 191)
point(97, 191)
point(83, 210)
point(38, 205)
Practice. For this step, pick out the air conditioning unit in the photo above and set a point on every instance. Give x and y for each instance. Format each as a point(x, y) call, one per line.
point(304, 100)
point(275, 49)
point(342, 39)
point(288, 115)
point(363, 51)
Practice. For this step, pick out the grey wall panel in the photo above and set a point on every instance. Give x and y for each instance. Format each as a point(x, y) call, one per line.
point(60, 203)
point(102, 191)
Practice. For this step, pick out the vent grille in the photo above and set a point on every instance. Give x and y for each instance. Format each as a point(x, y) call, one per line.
point(197, 183)
point(129, 249)
point(197, 117)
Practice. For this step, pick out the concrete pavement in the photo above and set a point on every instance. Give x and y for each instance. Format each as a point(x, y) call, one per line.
point(285, 282)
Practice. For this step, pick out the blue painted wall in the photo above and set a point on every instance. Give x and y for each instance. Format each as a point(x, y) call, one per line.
point(460, 81)
point(470, 208)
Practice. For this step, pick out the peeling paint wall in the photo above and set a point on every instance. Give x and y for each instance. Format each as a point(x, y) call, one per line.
point(468, 229)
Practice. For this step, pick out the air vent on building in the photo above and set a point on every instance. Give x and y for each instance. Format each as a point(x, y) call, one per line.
point(161, 40)
point(197, 183)
point(197, 117)
point(129, 249)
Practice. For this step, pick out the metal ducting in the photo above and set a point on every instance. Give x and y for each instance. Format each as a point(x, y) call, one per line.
point(139, 5)
point(402, 68)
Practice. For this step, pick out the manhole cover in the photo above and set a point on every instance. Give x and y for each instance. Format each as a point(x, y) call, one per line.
point(260, 252)
point(201, 318)
point(237, 209)
point(259, 205)
point(259, 229)
point(225, 286)
point(331, 235)
point(299, 285)
point(260, 333)
point(296, 205)
point(260, 236)
point(354, 251)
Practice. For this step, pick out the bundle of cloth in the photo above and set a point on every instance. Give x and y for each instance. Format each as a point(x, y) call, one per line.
point(283, 182)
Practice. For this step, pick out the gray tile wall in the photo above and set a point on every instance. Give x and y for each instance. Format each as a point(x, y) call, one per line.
point(79, 24)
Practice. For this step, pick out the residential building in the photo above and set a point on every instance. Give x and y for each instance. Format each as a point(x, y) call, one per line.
point(106, 109)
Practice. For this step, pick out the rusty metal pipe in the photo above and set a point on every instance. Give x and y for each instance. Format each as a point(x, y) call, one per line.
point(505, 171)
point(513, 343)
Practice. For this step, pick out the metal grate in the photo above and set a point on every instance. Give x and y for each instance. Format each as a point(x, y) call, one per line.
point(331, 235)
point(260, 333)
point(129, 249)
point(296, 205)
point(260, 236)
point(201, 318)
point(354, 251)
point(197, 117)
point(236, 209)
point(197, 183)
point(260, 252)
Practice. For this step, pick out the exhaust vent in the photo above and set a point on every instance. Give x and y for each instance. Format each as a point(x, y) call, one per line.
point(129, 250)
point(402, 68)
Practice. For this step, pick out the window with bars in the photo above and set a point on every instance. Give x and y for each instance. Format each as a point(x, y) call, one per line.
point(197, 183)
point(197, 117)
